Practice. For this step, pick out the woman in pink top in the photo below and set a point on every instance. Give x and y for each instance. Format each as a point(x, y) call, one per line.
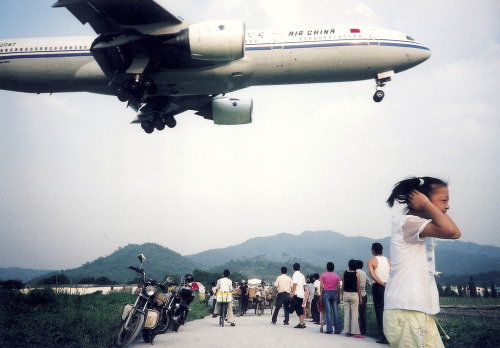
point(330, 283)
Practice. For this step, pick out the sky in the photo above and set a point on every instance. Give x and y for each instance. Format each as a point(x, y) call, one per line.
point(78, 181)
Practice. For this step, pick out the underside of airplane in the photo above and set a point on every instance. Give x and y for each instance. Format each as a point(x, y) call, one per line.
point(162, 66)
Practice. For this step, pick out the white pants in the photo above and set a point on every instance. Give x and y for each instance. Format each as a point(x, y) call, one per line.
point(404, 328)
point(230, 318)
point(351, 303)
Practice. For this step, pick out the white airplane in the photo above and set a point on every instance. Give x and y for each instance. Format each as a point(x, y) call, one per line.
point(162, 66)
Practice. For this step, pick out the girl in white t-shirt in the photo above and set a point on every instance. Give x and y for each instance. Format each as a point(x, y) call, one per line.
point(411, 295)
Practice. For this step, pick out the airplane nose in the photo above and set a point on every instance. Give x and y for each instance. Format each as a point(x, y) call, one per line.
point(420, 54)
point(426, 53)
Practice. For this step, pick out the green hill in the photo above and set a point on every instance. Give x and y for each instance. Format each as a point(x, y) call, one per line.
point(263, 257)
point(160, 261)
point(317, 248)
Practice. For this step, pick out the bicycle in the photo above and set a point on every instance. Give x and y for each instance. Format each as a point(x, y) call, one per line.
point(223, 312)
point(223, 300)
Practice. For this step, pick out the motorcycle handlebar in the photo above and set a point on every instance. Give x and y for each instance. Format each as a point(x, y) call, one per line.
point(141, 271)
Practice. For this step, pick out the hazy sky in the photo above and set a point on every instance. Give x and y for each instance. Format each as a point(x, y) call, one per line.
point(77, 181)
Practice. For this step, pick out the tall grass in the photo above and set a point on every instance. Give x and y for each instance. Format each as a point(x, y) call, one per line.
point(43, 318)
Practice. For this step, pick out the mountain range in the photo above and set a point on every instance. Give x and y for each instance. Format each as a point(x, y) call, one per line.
point(263, 256)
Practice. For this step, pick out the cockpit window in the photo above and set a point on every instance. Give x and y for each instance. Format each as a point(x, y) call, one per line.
point(409, 38)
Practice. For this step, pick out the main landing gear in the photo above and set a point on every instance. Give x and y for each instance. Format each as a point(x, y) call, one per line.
point(158, 123)
point(135, 88)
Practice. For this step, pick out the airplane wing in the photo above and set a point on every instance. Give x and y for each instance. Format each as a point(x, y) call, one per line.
point(109, 15)
point(138, 40)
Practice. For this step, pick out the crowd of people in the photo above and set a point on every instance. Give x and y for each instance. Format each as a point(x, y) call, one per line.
point(405, 296)
point(318, 296)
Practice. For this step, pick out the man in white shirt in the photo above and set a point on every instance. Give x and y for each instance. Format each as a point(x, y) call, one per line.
point(317, 293)
point(298, 291)
point(379, 267)
point(225, 285)
point(283, 286)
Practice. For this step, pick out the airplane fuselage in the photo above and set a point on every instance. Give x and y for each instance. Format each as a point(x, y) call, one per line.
point(272, 57)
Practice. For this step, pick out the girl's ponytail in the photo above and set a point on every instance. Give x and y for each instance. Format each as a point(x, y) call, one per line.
point(403, 188)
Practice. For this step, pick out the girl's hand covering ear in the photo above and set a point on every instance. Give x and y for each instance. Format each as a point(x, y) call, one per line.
point(417, 200)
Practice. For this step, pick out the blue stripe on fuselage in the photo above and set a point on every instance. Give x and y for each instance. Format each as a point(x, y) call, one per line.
point(323, 44)
point(38, 55)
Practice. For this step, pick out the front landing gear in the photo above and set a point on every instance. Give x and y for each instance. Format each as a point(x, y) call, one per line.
point(381, 80)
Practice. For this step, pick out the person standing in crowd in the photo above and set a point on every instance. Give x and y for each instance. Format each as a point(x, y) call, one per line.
point(213, 294)
point(225, 285)
point(317, 292)
point(322, 315)
point(379, 267)
point(411, 297)
point(283, 286)
point(298, 293)
point(351, 293)
point(329, 287)
point(310, 288)
point(364, 282)
point(244, 295)
point(263, 290)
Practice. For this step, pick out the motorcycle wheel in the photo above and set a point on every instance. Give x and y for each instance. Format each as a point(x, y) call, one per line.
point(174, 325)
point(148, 336)
point(183, 317)
point(128, 335)
point(163, 324)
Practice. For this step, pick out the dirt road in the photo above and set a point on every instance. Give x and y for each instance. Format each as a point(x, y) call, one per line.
point(254, 331)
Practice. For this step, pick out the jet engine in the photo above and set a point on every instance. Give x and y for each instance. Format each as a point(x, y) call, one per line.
point(222, 40)
point(232, 111)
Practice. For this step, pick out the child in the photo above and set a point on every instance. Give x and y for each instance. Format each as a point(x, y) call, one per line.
point(411, 295)
point(322, 313)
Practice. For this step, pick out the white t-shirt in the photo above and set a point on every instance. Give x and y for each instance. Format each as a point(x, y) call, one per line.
point(411, 283)
point(225, 284)
point(299, 279)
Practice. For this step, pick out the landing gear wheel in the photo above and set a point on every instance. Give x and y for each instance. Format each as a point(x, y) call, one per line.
point(120, 93)
point(119, 90)
point(159, 124)
point(170, 122)
point(133, 86)
point(378, 96)
point(150, 86)
point(148, 126)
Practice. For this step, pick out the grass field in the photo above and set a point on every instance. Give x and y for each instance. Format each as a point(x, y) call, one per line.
point(43, 318)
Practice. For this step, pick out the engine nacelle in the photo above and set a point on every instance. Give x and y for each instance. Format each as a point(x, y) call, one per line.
point(232, 111)
point(217, 40)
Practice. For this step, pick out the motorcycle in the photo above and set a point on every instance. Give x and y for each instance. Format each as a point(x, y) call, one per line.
point(164, 301)
point(145, 313)
point(178, 306)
